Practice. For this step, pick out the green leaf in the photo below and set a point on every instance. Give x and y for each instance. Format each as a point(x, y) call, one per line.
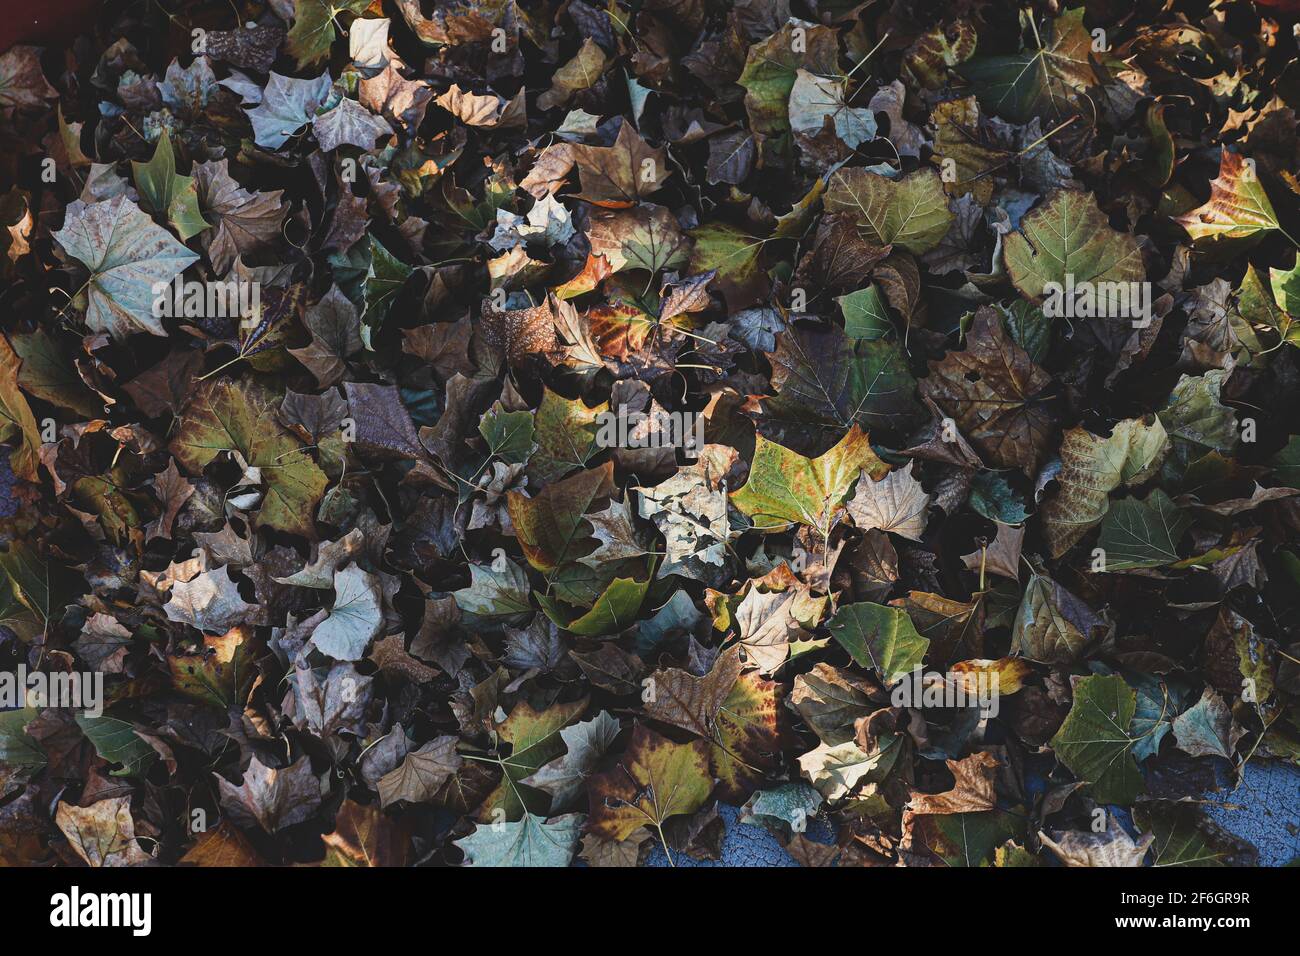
point(655, 779)
point(384, 280)
point(1068, 236)
point(530, 841)
point(992, 496)
point(48, 374)
point(864, 312)
point(1195, 414)
point(565, 431)
point(16, 416)
point(1142, 534)
point(1091, 468)
point(224, 415)
point(534, 738)
point(879, 637)
point(1186, 836)
point(1043, 82)
point(734, 255)
point(1094, 742)
point(911, 212)
point(784, 486)
point(615, 610)
point(27, 575)
point(509, 435)
point(127, 255)
point(117, 742)
point(164, 193)
point(314, 28)
point(16, 748)
point(772, 65)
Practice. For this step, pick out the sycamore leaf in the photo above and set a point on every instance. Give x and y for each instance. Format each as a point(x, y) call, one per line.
point(785, 487)
point(1206, 728)
point(1043, 82)
point(1052, 625)
point(127, 255)
point(1112, 847)
point(734, 255)
point(17, 749)
point(1091, 468)
point(911, 212)
point(565, 433)
point(825, 377)
point(22, 83)
point(1142, 534)
point(239, 417)
point(994, 392)
point(896, 503)
point(837, 771)
point(690, 510)
point(830, 701)
point(622, 174)
point(645, 237)
point(168, 194)
point(210, 601)
point(1095, 740)
point(585, 743)
point(1185, 835)
point(421, 773)
point(118, 743)
point(655, 779)
point(494, 596)
point(221, 672)
point(314, 27)
point(530, 841)
point(550, 526)
point(1065, 238)
point(102, 834)
point(355, 619)
point(772, 66)
point(814, 99)
point(534, 738)
point(1238, 212)
point(271, 798)
point(580, 73)
point(287, 105)
point(384, 279)
point(349, 123)
point(615, 609)
point(879, 637)
point(16, 416)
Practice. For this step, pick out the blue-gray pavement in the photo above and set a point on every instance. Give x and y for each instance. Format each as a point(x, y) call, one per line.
point(1264, 809)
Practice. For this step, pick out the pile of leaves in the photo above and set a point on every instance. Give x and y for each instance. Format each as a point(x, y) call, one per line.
point(367, 578)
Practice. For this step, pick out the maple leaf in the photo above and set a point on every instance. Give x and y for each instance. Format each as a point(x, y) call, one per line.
point(784, 487)
point(128, 257)
point(223, 415)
